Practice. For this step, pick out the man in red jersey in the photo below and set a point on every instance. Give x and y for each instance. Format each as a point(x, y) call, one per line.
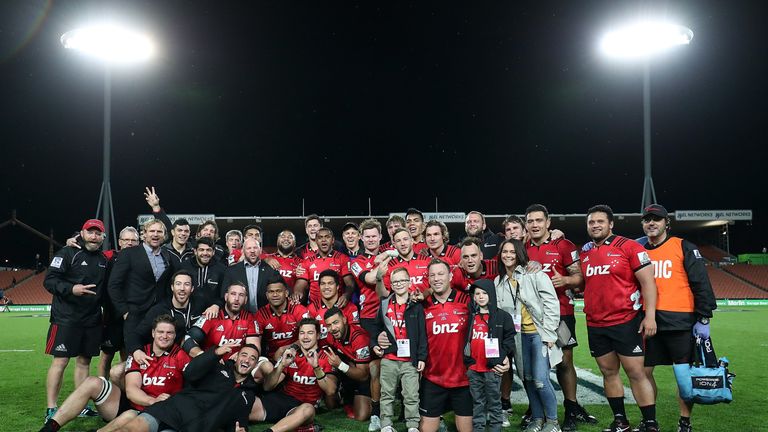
point(393, 223)
point(406, 257)
point(347, 347)
point(155, 382)
point(312, 224)
point(305, 373)
point(369, 306)
point(286, 256)
point(279, 319)
point(436, 236)
point(326, 258)
point(329, 297)
point(414, 223)
point(233, 325)
point(473, 265)
point(616, 270)
point(559, 259)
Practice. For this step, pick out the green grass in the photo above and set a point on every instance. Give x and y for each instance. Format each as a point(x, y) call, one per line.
point(741, 333)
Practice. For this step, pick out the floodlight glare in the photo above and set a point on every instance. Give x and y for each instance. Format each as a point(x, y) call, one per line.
point(110, 43)
point(640, 40)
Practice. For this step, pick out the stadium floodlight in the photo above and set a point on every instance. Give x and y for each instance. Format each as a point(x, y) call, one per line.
point(110, 43)
point(113, 45)
point(643, 39)
point(640, 41)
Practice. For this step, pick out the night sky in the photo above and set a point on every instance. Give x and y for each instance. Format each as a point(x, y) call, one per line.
point(251, 106)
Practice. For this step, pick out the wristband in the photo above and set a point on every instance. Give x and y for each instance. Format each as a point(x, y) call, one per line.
point(320, 377)
point(343, 367)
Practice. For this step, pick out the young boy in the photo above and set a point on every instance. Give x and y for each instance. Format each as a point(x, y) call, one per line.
point(403, 322)
point(492, 338)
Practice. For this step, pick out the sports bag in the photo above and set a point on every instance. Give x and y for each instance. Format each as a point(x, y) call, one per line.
point(704, 381)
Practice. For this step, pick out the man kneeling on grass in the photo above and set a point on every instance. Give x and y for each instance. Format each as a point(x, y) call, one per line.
point(155, 382)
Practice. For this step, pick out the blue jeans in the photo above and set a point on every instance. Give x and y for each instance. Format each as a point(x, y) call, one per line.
point(541, 394)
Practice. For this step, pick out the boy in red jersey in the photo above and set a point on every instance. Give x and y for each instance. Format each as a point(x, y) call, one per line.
point(616, 270)
point(158, 381)
point(279, 319)
point(305, 373)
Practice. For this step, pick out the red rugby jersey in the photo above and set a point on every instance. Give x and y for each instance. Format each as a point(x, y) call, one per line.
point(369, 300)
point(163, 374)
point(447, 328)
point(477, 343)
point(490, 271)
point(223, 330)
point(396, 314)
point(287, 267)
point(300, 381)
point(318, 309)
point(611, 291)
point(419, 246)
point(279, 330)
point(556, 255)
point(315, 264)
point(450, 254)
point(354, 348)
point(418, 270)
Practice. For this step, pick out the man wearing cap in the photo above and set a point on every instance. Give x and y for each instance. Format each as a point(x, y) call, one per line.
point(75, 277)
point(685, 299)
point(350, 234)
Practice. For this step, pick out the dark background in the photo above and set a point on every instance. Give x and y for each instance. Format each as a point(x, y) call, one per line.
point(251, 106)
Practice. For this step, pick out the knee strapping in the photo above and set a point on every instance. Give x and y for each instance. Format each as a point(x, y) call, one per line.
point(106, 390)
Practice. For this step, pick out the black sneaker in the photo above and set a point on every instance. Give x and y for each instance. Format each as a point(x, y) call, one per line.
point(684, 427)
point(618, 426)
point(506, 404)
point(525, 421)
point(569, 423)
point(583, 416)
point(88, 412)
point(648, 426)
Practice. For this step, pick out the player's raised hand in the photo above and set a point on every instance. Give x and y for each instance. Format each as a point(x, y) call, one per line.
point(333, 359)
point(140, 357)
point(312, 358)
point(152, 199)
point(81, 290)
point(224, 349)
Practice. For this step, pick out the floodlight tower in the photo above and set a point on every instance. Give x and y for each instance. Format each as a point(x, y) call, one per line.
point(112, 45)
point(639, 42)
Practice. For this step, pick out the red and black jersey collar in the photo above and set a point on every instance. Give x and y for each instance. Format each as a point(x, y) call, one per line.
point(532, 244)
point(150, 352)
point(608, 240)
point(284, 311)
point(223, 314)
point(332, 253)
point(451, 297)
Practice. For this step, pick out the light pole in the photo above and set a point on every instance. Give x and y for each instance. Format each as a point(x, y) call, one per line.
point(640, 41)
point(112, 45)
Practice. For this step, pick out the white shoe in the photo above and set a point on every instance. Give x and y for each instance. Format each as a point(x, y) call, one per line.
point(388, 429)
point(413, 429)
point(375, 424)
point(505, 422)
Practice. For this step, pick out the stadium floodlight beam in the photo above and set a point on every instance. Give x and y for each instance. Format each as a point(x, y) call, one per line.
point(640, 41)
point(112, 45)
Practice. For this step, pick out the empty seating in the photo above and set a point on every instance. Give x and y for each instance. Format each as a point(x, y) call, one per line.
point(713, 253)
point(7, 277)
point(30, 291)
point(755, 274)
point(727, 286)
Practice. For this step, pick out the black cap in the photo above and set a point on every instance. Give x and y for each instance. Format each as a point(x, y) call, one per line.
point(349, 225)
point(414, 211)
point(656, 210)
point(484, 284)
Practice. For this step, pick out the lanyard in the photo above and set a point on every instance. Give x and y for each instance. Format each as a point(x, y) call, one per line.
point(399, 328)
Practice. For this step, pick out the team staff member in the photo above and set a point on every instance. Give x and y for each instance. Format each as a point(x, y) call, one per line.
point(157, 381)
point(616, 271)
point(685, 302)
point(207, 275)
point(559, 259)
point(76, 279)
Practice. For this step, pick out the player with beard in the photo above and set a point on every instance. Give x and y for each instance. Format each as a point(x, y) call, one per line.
point(233, 326)
point(618, 278)
point(286, 257)
point(207, 275)
point(329, 298)
point(560, 261)
point(474, 226)
point(393, 223)
point(414, 223)
point(305, 374)
point(313, 265)
point(157, 380)
point(279, 319)
point(436, 236)
point(685, 302)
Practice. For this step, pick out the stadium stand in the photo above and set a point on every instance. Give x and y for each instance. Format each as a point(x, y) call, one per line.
point(7, 277)
point(30, 291)
point(754, 274)
point(715, 254)
point(730, 287)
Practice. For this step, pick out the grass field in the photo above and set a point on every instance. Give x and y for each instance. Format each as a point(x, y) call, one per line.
point(741, 333)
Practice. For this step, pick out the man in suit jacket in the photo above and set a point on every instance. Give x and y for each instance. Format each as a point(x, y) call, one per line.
point(141, 275)
point(253, 272)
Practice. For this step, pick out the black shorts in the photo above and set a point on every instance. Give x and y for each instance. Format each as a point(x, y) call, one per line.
point(68, 341)
point(125, 404)
point(349, 388)
point(436, 400)
point(370, 327)
point(669, 347)
point(570, 321)
point(277, 405)
point(112, 339)
point(621, 338)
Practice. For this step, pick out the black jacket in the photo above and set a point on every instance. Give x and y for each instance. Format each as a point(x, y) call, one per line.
point(71, 266)
point(132, 284)
point(414, 324)
point(490, 243)
point(237, 273)
point(500, 326)
point(211, 399)
point(185, 318)
point(207, 281)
